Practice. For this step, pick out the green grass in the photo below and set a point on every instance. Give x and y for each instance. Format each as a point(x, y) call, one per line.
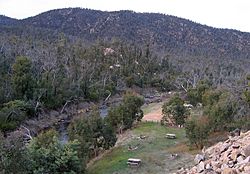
point(153, 151)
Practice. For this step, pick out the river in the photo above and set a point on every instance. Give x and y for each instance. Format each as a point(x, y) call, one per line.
point(63, 125)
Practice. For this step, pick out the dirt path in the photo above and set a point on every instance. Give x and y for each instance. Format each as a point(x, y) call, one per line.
point(153, 111)
point(155, 115)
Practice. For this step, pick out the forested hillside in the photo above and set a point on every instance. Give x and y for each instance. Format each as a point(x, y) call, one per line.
point(70, 53)
point(4, 20)
point(164, 32)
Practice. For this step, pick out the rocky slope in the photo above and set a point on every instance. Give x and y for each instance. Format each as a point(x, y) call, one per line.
point(229, 157)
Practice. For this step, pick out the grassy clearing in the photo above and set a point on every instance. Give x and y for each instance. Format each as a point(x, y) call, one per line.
point(153, 150)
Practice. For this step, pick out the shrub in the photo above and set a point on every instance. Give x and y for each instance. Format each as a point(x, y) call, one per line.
point(195, 95)
point(47, 155)
point(220, 109)
point(197, 131)
point(175, 111)
point(128, 112)
point(13, 113)
point(93, 133)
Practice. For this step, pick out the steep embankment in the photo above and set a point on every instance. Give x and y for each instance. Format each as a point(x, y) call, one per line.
point(229, 157)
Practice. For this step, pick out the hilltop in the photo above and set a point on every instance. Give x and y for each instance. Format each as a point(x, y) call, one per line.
point(165, 33)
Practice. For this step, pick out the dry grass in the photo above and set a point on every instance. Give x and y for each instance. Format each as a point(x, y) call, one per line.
point(183, 148)
point(216, 137)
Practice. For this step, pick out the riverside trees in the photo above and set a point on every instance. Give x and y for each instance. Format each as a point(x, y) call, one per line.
point(129, 111)
point(47, 155)
point(93, 133)
point(63, 71)
point(44, 154)
point(96, 134)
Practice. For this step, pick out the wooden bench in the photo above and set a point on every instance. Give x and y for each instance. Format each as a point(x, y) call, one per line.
point(134, 162)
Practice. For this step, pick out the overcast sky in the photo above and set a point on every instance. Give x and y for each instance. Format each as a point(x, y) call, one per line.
point(232, 14)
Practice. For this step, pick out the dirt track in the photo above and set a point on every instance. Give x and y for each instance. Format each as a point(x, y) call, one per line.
point(153, 112)
point(155, 115)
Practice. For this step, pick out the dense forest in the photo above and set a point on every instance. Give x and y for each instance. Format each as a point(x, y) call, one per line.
point(77, 54)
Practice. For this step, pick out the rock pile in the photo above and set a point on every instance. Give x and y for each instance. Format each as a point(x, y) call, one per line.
point(229, 157)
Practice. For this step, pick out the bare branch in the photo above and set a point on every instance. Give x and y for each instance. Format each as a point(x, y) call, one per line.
point(108, 96)
point(64, 106)
point(27, 133)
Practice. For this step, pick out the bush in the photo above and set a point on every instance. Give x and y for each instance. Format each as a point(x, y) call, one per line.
point(197, 131)
point(128, 112)
point(93, 133)
point(175, 111)
point(13, 155)
point(195, 95)
point(93, 94)
point(246, 96)
point(13, 113)
point(47, 155)
point(130, 81)
point(220, 109)
point(243, 124)
point(211, 97)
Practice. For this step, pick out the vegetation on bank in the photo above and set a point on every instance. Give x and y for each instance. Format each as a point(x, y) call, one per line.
point(221, 111)
point(75, 73)
point(90, 135)
point(43, 154)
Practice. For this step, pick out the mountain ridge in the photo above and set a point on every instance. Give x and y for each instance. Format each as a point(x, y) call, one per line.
point(5, 20)
point(114, 11)
point(163, 32)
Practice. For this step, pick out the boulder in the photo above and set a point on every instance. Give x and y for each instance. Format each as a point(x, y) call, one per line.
point(224, 166)
point(230, 164)
point(210, 172)
point(236, 145)
point(200, 167)
point(198, 158)
point(224, 147)
point(215, 165)
point(247, 150)
point(240, 159)
point(208, 166)
point(245, 161)
point(247, 168)
point(235, 155)
point(228, 171)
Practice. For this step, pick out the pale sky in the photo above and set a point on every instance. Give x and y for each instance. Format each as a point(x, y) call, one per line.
point(233, 14)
